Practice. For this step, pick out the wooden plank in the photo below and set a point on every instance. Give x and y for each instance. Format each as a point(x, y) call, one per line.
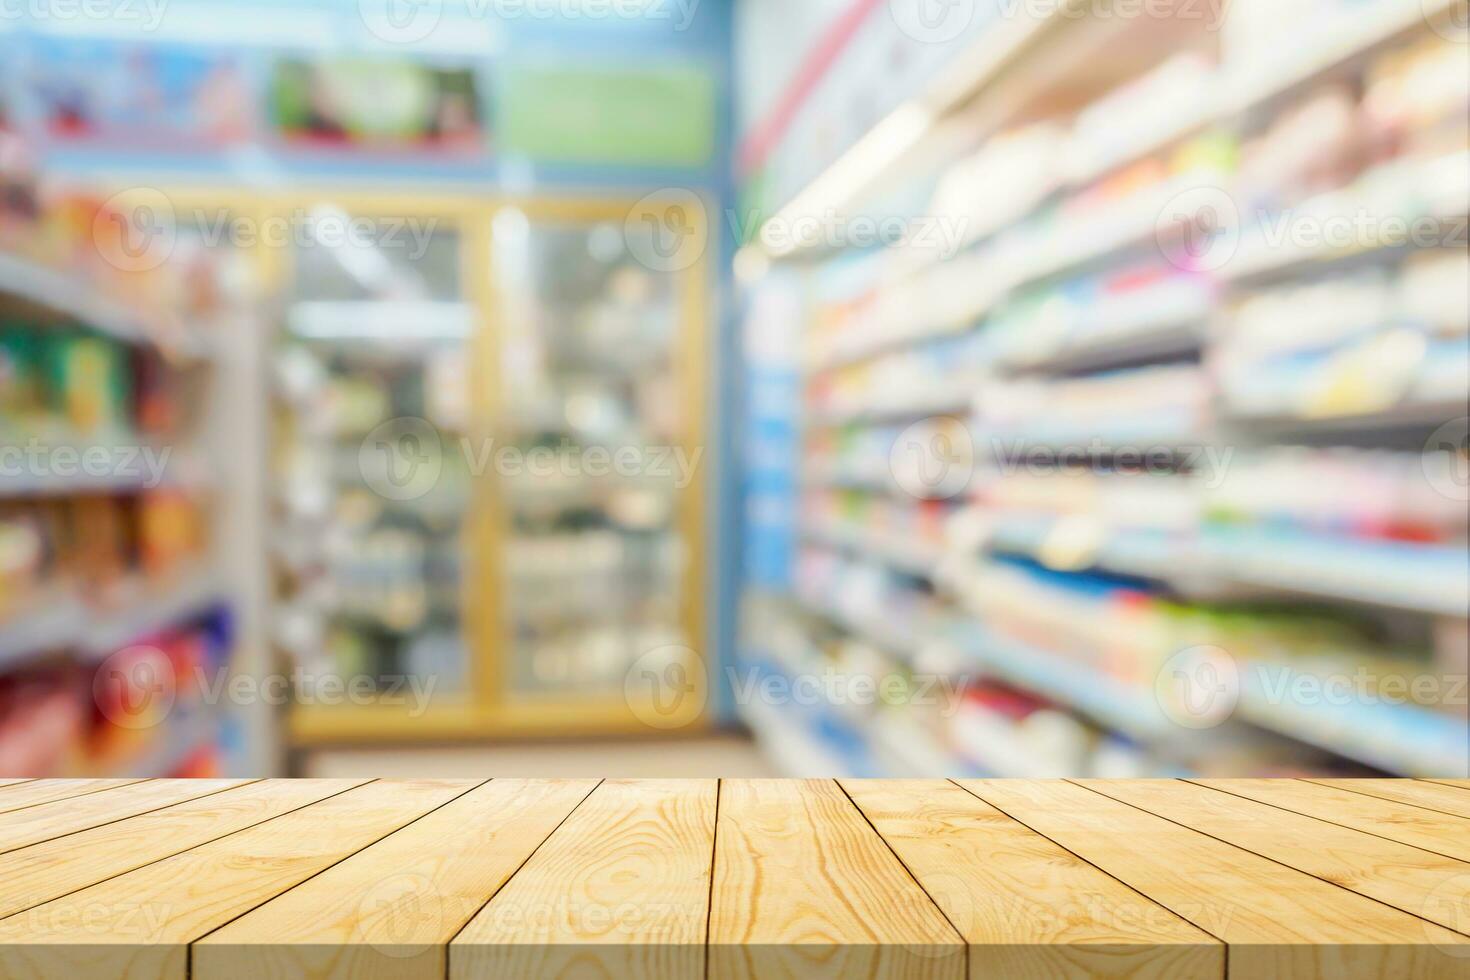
point(1416, 826)
point(1279, 922)
point(1414, 792)
point(804, 887)
point(48, 790)
point(42, 872)
point(1027, 907)
point(141, 923)
point(387, 911)
point(620, 890)
point(1456, 783)
point(1415, 881)
point(15, 781)
point(61, 817)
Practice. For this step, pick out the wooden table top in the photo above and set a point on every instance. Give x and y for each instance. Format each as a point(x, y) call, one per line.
point(734, 878)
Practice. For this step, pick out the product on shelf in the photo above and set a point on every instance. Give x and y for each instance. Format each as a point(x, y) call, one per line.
point(1362, 341)
point(1144, 311)
point(1169, 97)
point(87, 241)
point(44, 714)
point(1154, 301)
point(937, 376)
point(23, 560)
point(1140, 409)
point(1011, 174)
point(1345, 493)
point(149, 696)
point(1415, 102)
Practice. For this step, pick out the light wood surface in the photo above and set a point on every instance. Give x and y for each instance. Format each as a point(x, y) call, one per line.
point(1026, 906)
point(621, 889)
point(37, 874)
point(804, 886)
point(142, 923)
point(1417, 826)
point(1278, 921)
point(23, 795)
point(58, 818)
point(1395, 874)
point(734, 878)
point(1456, 783)
point(388, 910)
point(1415, 792)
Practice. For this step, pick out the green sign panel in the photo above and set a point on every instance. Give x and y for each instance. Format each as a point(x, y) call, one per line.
point(656, 117)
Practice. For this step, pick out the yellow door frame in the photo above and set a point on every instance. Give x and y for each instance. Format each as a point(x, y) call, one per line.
point(489, 713)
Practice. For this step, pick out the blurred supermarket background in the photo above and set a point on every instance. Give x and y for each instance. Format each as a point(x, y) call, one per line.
point(729, 387)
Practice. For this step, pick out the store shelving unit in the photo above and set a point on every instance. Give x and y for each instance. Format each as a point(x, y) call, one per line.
point(917, 303)
point(75, 625)
point(57, 295)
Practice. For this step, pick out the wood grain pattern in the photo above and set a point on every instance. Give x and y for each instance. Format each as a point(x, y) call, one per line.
point(15, 781)
point(61, 817)
point(140, 924)
point(804, 887)
point(1277, 921)
point(1418, 882)
point(1028, 908)
point(620, 890)
point(50, 790)
point(734, 879)
point(387, 911)
point(41, 872)
point(1414, 792)
point(1416, 826)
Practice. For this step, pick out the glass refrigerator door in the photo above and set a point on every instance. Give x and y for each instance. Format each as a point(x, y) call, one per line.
point(597, 470)
point(372, 395)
